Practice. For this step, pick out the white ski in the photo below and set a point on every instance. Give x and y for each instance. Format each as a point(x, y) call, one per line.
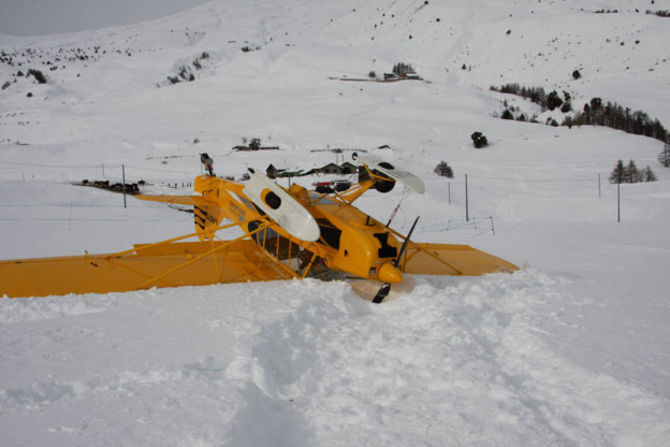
point(408, 179)
point(281, 207)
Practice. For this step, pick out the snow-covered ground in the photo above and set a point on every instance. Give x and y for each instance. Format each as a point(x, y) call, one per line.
point(571, 350)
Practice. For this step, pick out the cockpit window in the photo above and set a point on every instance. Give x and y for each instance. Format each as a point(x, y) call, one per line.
point(272, 200)
point(386, 250)
point(329, 233)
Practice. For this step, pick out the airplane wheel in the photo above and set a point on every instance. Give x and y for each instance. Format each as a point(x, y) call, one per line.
point(383, 186)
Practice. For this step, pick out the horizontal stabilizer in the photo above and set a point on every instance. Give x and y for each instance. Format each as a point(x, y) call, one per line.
point(175, 200)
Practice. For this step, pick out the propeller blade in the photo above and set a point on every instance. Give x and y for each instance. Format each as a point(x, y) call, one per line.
point(385, 289)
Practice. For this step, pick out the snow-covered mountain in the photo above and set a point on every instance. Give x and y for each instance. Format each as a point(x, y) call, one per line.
point(572, 350)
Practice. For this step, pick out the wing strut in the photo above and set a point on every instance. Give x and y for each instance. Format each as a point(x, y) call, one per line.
point(155, 279)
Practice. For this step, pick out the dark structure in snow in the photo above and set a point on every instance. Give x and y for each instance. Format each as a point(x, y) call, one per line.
point(479, 140)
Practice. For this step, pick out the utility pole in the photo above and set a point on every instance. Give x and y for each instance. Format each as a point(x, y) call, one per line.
point(599, 195)
point(467, 214)
point(123, 175)
point(618, 202)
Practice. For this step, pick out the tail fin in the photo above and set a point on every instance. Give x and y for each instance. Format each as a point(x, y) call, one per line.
point(207, 218)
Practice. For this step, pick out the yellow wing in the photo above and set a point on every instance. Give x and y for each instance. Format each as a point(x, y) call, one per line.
point(146, 266)
point(452, 259)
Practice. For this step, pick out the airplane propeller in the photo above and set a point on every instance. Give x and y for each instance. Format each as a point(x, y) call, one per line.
point(386, 287)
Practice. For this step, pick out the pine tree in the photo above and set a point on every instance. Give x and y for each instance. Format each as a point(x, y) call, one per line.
point(554, 101)
point(39, 76)
point(479, 140)
point(664, 156)
point(631, 173)
point(649, 175)
point(402, 69)
point(617, 175)
point(444, 170)
point(567, 121)
point(596, 103)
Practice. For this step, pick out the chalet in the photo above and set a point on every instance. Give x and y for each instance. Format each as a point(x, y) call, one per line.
point(331, 168)
point(348, 168)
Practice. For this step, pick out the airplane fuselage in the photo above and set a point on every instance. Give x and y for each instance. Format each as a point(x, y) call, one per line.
point(349, 241)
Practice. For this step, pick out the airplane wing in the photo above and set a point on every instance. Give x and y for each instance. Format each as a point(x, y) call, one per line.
point(149, 265)
point(451, 259)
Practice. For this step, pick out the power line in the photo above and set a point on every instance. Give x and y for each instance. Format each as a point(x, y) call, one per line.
point(51, 166)
point(546, 180)
point(161, 170)
point(98, 166)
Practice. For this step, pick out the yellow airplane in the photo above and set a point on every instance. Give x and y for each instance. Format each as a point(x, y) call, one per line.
point(287, 233)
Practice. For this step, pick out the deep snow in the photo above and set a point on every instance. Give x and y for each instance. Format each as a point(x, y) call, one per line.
point(571, 350)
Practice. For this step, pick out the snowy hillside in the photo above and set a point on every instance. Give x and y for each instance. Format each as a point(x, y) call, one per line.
point(571, 350)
